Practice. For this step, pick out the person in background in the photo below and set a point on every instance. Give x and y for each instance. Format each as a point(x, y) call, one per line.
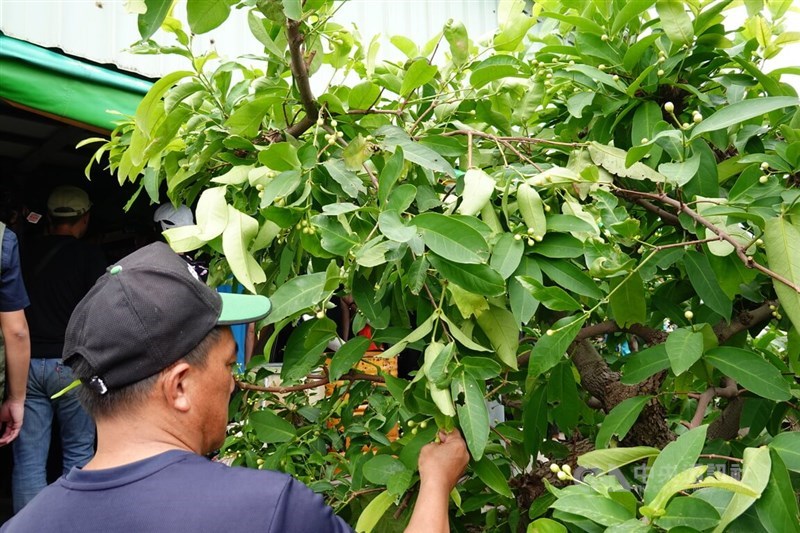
point(15, 347)
point(59, 270)
point(167, 216)
point(160, 400)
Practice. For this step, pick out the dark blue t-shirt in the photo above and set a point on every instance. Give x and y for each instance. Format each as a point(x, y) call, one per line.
point(12, 290)
point(176, 491)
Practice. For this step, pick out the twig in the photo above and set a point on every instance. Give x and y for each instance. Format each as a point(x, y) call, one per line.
point(404, 504)
point(741, 251)
point(729, 390)
point(350, 376)
point(717, 456)
point(528, 140)
point(300, 74)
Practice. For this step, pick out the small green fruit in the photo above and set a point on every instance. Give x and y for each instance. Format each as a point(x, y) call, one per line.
point(669, 107)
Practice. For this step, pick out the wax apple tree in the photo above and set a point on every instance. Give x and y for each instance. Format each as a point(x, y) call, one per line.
point(587, 220)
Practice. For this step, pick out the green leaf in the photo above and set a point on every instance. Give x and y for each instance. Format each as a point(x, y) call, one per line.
point(596, 508)
point(239, 232)
point(549, 349)
point(647, 115)
point(151, 20)
point(374, 511)
point(246, 119)
point(392, 226)
point(151, 108)
point(347, 356)
point(681, 481)
point(782, 242)
point(280, 156)
point(478, 279)
point(472, 414)
point(788, 447)
point(534, 420)
point(304, 348)
point(478, 189)
point(507, 255)
point(676, 456)
point(270, 428)
point(553, 298)
point(684, 348)
point(741, 112)
point(628, 301)
point(777, 507)
point(205, 15)
point(545, 525)
point(751, 371)
point(570, 277)
point(613, 458)
point(452, 237)
point(675, 21)
point(488, 472)
point(502, 331)
point(755, 474)
point(494, 68)
point(689, 512)
point(613, 160)
point(559, 246)
point(363, 95)
point(390, 174)
point(414, 151)
point(381, 468)
point(298, 294)
point(405, 45)
point(212, 213)
point(629, 11)
point(631, 526)
point(460, 336)
point(419, 73)
point(293, 9)
point(704, 281)
point(620, 420)
point(641, 365)
point(351, 184)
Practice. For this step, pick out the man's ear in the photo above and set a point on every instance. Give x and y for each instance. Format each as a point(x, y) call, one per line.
point(175, 386)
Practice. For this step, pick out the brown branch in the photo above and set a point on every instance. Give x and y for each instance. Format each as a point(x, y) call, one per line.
point(664, 215)
point(499, 138)
point(729, 390)
point(350, 376)
point(744, 320)
point(741, 251)
point(300, 74)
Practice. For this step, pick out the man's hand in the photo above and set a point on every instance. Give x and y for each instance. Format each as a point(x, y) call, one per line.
point(11, 413)
point(443, 463)
point(440, 465)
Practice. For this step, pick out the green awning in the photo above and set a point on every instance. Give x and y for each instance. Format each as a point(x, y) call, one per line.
point(54, 84)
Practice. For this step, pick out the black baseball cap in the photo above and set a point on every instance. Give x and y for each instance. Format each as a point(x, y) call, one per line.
point(146, 312)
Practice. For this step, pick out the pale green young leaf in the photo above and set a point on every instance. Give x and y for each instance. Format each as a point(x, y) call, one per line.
point(782, 242)
point(676, 457)
point(478, 189)
point(788, 447)
point(373, 512)
point(629, 11)
point(620, 420)
point(545, 525)
point(507, 255)
point(751, 371)
point(151, 20)
point(613, 160)
point(462, 337)
point(755, 474)
point(240, 230)
point(502, 331)
point(612, 458)
point(211, 213)
point(152, 107)
point(293, 9)
point(246, 119)
point(679, 482)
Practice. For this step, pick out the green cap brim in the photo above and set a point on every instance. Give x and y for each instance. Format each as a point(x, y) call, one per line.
point(243, 308)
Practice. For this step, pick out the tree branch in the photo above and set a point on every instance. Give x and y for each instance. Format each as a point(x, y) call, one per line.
point(744, 320)
point(741, 251)
point(729, 390)
point(300, 74)
point(350, 376)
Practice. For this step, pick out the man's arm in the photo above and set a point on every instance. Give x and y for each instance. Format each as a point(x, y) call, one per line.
point(440, 466)
point(18, 356)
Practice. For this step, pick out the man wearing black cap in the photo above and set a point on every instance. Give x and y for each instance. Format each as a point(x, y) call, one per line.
point(150, 344)
point(59, 269)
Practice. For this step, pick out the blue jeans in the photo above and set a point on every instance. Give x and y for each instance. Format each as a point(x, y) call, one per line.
point(30, 449)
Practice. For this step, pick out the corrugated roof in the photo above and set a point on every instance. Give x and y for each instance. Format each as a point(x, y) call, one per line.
point(102, 30)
